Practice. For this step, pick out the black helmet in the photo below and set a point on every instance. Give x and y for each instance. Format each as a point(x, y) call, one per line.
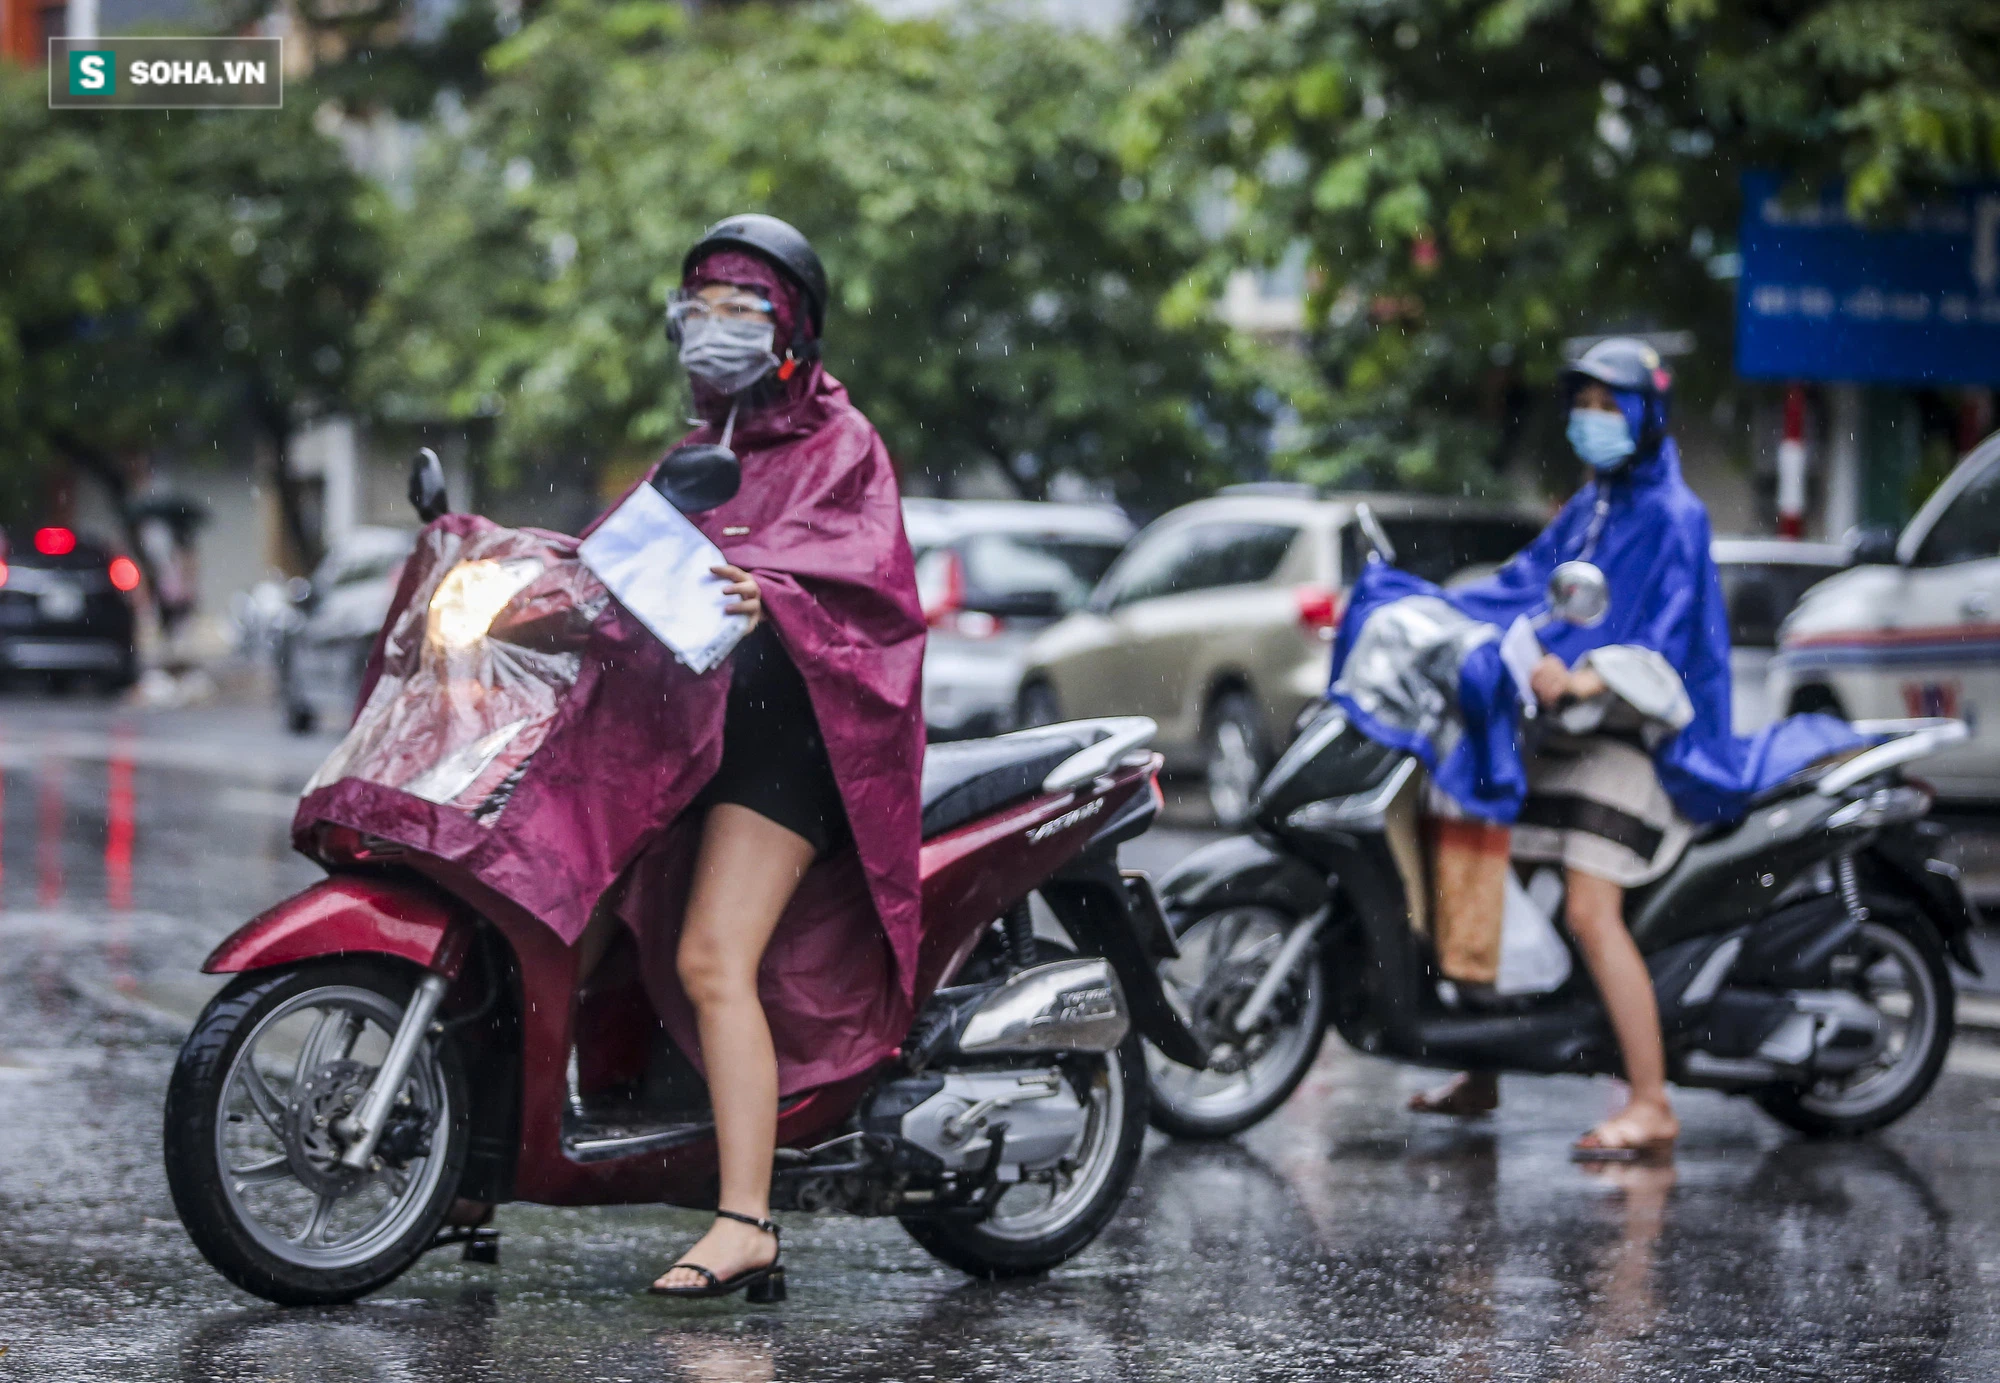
point(1624, 362)
point(778, 241)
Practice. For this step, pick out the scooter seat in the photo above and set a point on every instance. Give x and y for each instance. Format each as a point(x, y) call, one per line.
point(967, 779)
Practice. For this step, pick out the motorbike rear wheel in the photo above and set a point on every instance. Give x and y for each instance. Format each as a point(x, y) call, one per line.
point(1038, 1224)
point(253, 1162)
point(1903, 973)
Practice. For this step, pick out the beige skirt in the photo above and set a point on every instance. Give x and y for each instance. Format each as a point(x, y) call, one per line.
point(1595, 805)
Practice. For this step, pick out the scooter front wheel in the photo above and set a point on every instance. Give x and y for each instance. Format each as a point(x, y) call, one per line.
point(1223, 956)
point(252, 1152)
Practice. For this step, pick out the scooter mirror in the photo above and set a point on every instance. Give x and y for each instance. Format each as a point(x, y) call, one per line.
point(427, 491)
point(698, 476)
point(1579, 594)
point(1377, 536)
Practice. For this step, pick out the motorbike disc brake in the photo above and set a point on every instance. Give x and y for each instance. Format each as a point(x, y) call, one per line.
point(316, 1107)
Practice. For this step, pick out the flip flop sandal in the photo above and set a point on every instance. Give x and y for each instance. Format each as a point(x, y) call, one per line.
point(1651, 1150)
point(766, 1285)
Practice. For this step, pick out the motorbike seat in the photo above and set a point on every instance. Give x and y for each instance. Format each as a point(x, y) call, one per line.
point(967, 779)
point(1796, 784)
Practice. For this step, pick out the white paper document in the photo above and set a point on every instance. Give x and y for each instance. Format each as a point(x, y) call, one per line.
point(1520, 650)
point(657, 564)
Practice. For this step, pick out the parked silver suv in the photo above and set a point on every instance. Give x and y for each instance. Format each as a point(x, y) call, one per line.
point(1218, 620)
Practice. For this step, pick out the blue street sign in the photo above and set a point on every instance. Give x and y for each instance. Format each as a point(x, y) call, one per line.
point(1915, 300)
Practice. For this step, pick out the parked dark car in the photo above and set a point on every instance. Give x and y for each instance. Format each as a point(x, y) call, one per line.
point(66, 609)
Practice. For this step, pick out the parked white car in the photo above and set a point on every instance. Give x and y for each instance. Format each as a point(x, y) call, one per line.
point(992, 574)
point(1762, 581)
point(1916, 632)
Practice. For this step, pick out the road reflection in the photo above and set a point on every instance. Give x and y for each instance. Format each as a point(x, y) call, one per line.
point(120, 827)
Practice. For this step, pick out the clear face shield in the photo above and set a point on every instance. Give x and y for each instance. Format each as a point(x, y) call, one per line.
point(707, 304)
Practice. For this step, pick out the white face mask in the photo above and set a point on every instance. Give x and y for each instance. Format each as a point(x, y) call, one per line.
point(728, 356)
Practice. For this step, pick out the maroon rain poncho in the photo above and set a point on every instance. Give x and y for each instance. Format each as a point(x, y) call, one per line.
point(619, 738)
point(819, 524)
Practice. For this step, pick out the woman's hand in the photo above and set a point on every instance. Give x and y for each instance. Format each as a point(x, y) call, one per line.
point(1552, 682)
point(1586, 684)
point(1549, 680)
point(749, 600)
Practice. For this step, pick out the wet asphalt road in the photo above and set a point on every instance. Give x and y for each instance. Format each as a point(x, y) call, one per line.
point(1344, 1239)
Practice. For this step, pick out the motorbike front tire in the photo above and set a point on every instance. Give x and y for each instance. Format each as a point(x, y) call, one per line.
point(1213, 1117)
point(980, 1248)
point(195, 1096)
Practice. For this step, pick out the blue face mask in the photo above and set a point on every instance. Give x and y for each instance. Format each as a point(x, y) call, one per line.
point(1602, 439)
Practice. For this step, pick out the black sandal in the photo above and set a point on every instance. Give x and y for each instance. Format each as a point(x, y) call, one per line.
point(766, 1284)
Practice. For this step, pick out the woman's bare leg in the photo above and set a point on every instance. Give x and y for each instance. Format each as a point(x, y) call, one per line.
point(1596, 914)
point(747, 871)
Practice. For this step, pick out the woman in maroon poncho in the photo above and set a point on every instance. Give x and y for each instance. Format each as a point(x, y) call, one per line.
point(823, 737)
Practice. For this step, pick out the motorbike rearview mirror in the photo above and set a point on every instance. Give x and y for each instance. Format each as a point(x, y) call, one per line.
point(698, 477)
point(427, 489)
point(1579, 594)
point(1371, 529)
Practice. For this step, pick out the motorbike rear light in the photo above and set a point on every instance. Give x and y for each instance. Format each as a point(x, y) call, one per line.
point(55, 542)
point(124, 573)
point(1884, 807)
point(1319, 609)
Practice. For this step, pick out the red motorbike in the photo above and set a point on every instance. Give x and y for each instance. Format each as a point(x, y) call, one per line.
point(401, 1048)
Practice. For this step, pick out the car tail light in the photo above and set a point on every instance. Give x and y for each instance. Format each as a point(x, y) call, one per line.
point(973, 624)
point(1319, 609)
point(3, 573)
point(941, 588)
point(55, 542)
point(124, 573)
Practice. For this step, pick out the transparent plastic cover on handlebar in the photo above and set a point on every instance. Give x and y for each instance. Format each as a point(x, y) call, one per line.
point(475, 665)
point(1404, 670)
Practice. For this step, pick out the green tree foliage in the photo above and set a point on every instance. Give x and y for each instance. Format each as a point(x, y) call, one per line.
point(169, 277)
point(997, 276)
point(1475, 180)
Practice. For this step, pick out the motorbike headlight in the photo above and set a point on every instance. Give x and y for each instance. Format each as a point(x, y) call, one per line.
point(472, 594)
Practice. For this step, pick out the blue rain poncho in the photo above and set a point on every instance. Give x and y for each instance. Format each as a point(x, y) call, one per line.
point(1649, 533)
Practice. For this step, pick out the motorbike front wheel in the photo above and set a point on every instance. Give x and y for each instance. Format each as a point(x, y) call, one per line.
point(253, 1159)
point(1049, 1217)
point(1223, 955)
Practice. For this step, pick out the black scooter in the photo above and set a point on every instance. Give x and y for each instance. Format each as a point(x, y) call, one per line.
point(1799, 955)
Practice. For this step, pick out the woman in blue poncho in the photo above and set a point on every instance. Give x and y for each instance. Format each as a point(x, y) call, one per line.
point(1617, 807)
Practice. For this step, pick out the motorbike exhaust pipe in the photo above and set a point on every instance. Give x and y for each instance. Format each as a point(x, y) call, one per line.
point(1067, 1006)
